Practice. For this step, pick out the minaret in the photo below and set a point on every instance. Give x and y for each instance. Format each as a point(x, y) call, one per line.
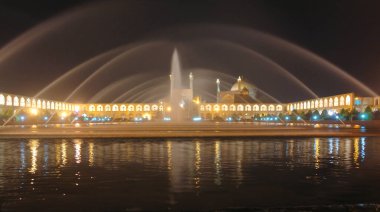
point(191, 84)
point(171, 84)
point(239, 83)
point(191, 80)
point(217, 90)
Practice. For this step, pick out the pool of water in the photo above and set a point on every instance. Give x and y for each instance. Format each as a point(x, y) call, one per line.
point(188, 174)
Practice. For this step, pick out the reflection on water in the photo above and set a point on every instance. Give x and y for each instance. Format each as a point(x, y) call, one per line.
point(33, 144)
point(253, 170)
point(77, 146)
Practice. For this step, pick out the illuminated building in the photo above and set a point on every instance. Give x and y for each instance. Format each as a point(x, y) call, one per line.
point(243, 100)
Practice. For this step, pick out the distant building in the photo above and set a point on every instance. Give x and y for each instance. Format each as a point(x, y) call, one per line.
point(243, 100)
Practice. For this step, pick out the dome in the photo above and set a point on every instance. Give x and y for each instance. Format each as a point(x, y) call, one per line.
point(235, 87)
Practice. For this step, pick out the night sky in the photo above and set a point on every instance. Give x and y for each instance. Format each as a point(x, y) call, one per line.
point(346, 33)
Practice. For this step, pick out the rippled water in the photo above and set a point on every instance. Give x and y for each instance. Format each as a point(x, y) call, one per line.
point(192, 174)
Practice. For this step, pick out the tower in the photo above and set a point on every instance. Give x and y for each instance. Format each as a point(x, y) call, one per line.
point(191, 83)
point(217, 90)
point(239, 83)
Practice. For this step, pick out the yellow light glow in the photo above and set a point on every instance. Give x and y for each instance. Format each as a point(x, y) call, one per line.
point(63, 115)
point(33, 111)
point(147, 116)
point(169, 109)
point(76, 108)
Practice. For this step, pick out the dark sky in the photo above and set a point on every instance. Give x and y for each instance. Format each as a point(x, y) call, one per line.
point(347, 33)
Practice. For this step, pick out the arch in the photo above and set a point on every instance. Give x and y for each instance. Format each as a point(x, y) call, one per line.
point(91, 108)
point(154, 107)
point(34, 104)
point(216, 107)
point(263, 108)
point(146, 107)
point(279, 108)
point(308, 105)
point(291, 107)
point(256, 108)
point(52, 105)
point(99, 108)
point(2, 99)
point(316, 103)
point(43, 104)
point(240, 108)
point(115, 108)
point(208, 107)
point(224, 108)
point(341, 101)
point(22, 102)
point(325, 103)
point(312, 105)
point(38, 103)
point(348, 100)
point(376, 101)
point(202, 108)
point(48, 105)
point(232, 108)
point(107, 108)
point(139, 108)
point(124, 108)
point(331, 103)
point(301, 106)
point(248, 108)
point(336, 102)
point(271, 107)
point(16, 101)
point(298, 106)
point(130, 108)
point(9, 100)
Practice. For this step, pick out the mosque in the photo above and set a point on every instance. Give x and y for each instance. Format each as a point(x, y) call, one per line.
point(243, 100)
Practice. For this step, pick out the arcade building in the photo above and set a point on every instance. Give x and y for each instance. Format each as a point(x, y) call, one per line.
point(242, 101)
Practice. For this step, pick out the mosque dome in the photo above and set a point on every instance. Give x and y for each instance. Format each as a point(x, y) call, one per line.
point(243, 84)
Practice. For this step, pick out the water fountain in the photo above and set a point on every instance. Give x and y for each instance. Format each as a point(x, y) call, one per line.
point(180, 98)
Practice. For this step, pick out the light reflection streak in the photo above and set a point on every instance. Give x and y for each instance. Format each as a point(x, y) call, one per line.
point(356, 152)
point(63, 153)
point(46, 155)
point(22, 155)
point(218, 165)
point(239, 168)
point(337, 146)
point(77, 147)
point(316, 152)
point(331, 146)
point(33, 144)
point(197, 164)
point(57, 154)
point(169, 149)
point(91, 154)
point(362, 150)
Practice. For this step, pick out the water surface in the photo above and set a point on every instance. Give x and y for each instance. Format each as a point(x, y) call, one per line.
point(192, 174)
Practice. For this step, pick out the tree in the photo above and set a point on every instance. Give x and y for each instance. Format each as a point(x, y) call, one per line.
point(315, 115)
point(353, 114)
point(307, 115)
point(325, 115)
point(344, 114)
